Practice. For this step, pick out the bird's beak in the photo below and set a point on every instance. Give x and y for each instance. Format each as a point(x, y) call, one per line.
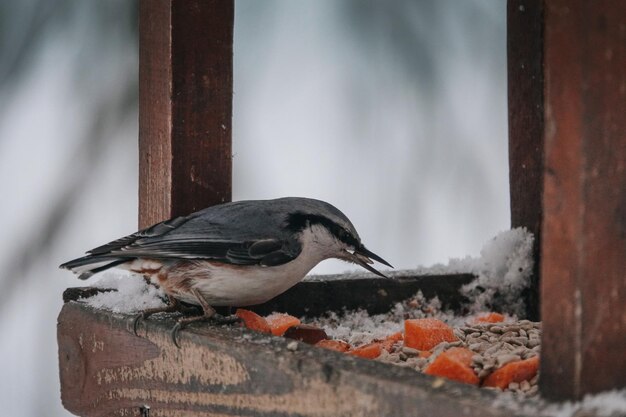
point(363, 256)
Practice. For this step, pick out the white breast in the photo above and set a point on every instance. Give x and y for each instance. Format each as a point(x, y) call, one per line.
point(249, 285)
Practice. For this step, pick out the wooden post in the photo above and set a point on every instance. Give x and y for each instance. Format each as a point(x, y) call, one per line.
point(526, 126)
point(185, 106)
point(567, 154)
point(584, 202)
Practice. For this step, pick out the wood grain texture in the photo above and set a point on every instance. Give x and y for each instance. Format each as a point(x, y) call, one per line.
point(108, 371)
point(526, 126)
point(584, 229)
point(374, 294)
point(185, 106)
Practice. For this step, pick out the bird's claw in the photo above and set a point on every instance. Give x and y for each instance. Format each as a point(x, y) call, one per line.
point(136, 320)
point(172, 306)
point(215, 318)
point(174, 334)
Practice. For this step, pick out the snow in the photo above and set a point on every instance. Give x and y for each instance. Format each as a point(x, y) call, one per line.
point(604, 404)
point(132, 293)
point(359, 327)
point(504, 268)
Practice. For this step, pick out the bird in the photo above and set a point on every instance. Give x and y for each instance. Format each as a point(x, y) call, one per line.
point(233, 254)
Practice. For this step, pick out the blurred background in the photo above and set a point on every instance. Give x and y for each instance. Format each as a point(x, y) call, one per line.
point(394, 112)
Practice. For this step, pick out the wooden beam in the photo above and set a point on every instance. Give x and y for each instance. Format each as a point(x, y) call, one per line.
point(185, 106)
point(526, 126)
point(584, 201)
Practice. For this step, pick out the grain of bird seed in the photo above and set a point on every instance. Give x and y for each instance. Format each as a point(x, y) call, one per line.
point(505, 358)
point(475, 346)
point(410, 351)
point(460, 334)
point(532, 343)
point(514, 386)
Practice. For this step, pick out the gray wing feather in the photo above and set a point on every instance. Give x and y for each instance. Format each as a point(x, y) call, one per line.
point(235, 233)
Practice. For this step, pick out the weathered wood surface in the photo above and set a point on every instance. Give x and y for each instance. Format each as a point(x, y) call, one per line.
point(185, 106)
point(376, 295)
point(526, 126)
point(228, 371)
point(584, 201)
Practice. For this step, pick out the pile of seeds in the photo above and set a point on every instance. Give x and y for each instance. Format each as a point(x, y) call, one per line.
point(494, 345)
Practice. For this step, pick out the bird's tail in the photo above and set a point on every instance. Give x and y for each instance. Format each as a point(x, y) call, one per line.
point(89, 265)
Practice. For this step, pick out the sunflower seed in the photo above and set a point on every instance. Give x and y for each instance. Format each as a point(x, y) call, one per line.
point(410, 351)
point(506, 358)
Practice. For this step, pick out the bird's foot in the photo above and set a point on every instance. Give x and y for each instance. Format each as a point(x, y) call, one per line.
point(209, 315)
point(213, 317)
point(173, 306)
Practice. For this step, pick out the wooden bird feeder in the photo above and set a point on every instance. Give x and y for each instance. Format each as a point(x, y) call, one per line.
point(567, 154)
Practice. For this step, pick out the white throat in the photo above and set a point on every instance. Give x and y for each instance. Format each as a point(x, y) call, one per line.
point(319, 244)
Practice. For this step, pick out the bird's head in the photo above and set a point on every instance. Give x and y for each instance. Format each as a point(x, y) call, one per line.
point(333, 232)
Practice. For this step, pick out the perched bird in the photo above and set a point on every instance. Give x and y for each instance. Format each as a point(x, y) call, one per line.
point(234, 254)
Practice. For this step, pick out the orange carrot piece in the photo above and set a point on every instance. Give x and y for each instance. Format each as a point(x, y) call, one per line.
point(489, 318)
point(280, 322)
point(462, 355)
point(391, 340)
point(395, 337)
point(517, 371)
point(454, 364)
point(253, 321)
point(425, 334)
point(368, 351)
point(425, 354)
point(338, 345)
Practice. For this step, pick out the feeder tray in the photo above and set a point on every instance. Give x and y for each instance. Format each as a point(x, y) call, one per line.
point(107, 370)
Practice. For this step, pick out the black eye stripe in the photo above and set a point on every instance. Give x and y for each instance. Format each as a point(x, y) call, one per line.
point(298, 221)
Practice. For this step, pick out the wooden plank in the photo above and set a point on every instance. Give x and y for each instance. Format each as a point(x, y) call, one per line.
point(526, 126)
point(363, 291)
point(584, 230)
point(108, 371)
point(185, 106)
point(338, 292)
